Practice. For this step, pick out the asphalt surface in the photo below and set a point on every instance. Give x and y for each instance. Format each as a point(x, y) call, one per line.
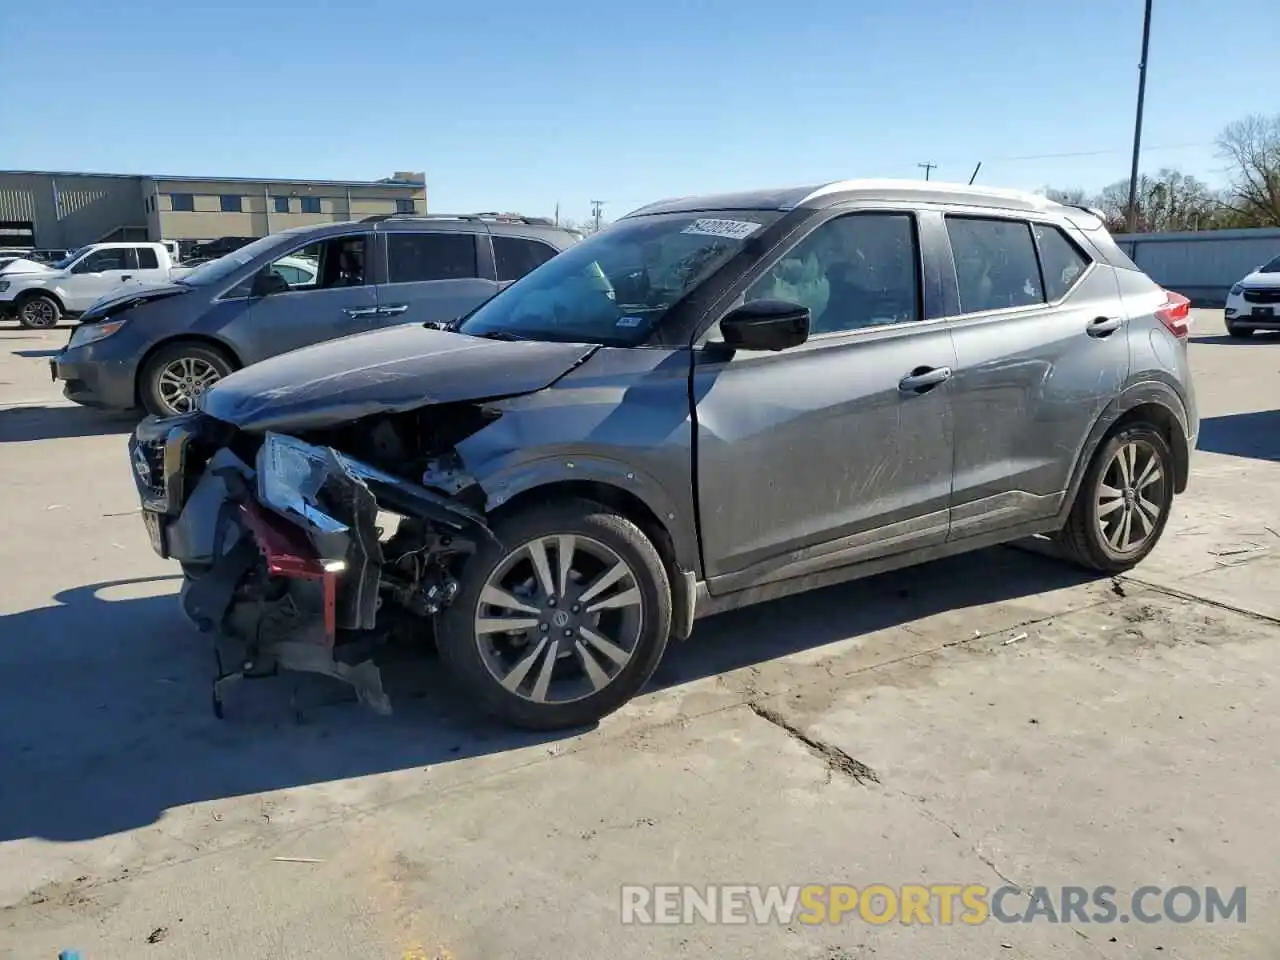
point(993, 719)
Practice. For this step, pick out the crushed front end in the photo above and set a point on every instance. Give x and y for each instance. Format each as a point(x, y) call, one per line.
point(297, 555)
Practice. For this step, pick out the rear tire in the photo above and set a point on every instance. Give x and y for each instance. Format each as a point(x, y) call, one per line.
point(39, 312)
point(576, 652)
point(1240, 333)
point(1123, 502)
point(176, 375)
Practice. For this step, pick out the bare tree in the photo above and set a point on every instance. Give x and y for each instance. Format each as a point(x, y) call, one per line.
point(1169, 201)
point(1251, 147)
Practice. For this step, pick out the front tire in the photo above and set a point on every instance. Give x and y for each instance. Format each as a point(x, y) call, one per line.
point(1240, 333)
point(564, 622)
point(176, 376)
point(39, 312)
point(1123, 502)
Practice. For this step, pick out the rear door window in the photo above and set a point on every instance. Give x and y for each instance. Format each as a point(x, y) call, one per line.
point(996, 265)
point(516, 256)
point(147, 259)
point(417, 257)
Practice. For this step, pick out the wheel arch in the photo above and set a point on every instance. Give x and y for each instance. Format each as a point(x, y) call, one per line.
point(203, 340)
point(629, 504)
point(34, 292)
point(1153, 402)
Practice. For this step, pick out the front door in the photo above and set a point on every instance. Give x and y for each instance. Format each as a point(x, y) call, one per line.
point(1041, 350)
point(838, 450)
point(341, 300)
point(102, 273)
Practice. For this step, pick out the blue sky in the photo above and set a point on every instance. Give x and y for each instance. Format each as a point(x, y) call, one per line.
point(510, 104)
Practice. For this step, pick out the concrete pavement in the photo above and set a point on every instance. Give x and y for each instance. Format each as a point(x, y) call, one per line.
point(992, 719)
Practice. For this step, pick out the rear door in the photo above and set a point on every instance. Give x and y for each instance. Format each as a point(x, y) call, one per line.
point(1041, 349)
point(433, 276)
point(150, 269)
point(342, 300)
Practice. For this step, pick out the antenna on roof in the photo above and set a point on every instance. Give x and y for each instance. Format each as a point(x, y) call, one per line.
point(975, 173)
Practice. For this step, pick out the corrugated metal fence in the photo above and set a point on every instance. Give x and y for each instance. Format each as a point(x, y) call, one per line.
point(1201, 265)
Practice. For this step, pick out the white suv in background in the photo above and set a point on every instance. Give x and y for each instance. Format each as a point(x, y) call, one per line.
point(1254, 302)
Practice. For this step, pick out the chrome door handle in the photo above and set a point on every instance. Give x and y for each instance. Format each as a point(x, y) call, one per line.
point(924, 378)
point(357, 313)
point(393, 311)
point(1103, 326)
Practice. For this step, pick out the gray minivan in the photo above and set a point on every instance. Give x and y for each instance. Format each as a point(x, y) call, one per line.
point(162, 346)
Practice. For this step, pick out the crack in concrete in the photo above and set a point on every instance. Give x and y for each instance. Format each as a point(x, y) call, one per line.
point(928, 814)
point(836, 759)
point(1207, 601)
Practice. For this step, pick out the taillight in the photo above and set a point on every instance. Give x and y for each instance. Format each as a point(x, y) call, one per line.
point(1176, 314)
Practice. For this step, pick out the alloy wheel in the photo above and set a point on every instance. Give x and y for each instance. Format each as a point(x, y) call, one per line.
point(559, 618)
point(1132, 493)
point(39, 313)
point(182, 381)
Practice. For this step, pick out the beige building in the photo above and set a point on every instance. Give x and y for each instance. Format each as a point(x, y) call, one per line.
point(64, 210)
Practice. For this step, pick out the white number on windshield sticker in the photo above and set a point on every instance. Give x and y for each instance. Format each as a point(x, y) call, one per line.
point(729, 229)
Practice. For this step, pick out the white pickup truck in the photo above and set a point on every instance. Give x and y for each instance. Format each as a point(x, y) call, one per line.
point(40, 294)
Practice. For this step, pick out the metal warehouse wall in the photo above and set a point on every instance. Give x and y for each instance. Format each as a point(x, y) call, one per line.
point(1201, 265)
point(72, 210)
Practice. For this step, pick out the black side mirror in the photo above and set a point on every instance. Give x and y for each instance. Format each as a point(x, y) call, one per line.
point(268, 282)
point(766, 325)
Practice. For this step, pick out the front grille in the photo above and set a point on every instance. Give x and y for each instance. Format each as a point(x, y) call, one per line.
point(1268, 295)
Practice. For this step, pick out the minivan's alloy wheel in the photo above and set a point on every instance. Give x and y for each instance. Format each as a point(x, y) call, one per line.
point(564, 622)
point(177, 375)
point(39, 312)
point(183, 380)
point(1123, 503)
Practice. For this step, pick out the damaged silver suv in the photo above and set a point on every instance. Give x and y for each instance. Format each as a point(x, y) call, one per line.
point(714, 402)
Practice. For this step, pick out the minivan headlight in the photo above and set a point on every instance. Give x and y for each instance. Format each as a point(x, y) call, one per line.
point(1237, 289)
point(93, 332)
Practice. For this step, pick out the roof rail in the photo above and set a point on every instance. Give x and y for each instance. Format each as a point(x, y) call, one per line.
point(496, 217)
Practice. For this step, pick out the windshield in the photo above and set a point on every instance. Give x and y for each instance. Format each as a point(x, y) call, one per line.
point(69, 259)
point(1272, 266)
point(618, 285)
point(217, 270)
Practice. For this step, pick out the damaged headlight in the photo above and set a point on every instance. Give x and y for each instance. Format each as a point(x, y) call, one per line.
point(290, 475)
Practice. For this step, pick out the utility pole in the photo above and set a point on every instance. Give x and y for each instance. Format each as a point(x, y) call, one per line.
point(557, 213)
point(1137, 123)
point(927, 167)
point(597, 207)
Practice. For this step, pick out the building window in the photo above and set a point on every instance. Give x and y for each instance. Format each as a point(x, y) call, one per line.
point(310, 204)
point(404, 205)
point(230, 203)
point(182, 202)
point(282, 204)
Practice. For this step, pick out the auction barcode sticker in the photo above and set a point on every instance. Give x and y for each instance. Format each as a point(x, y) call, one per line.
point(729, 229)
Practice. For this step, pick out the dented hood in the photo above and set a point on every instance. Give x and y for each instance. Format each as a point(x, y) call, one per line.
point(385, 371)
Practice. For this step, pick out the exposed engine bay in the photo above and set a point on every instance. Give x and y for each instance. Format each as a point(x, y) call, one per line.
point(311, 551)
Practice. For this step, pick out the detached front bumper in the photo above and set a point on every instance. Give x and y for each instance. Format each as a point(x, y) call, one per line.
point(298, 586)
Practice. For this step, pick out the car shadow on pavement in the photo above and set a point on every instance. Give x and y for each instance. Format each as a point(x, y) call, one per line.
point(36, 354)
point(1255, 435)
point(106, 718)
point(19, 424)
